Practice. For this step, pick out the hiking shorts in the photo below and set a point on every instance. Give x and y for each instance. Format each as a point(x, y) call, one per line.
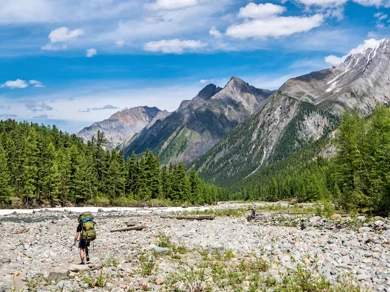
point(83, 243)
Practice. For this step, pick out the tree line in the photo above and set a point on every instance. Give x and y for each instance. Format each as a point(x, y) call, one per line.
point(357, 177)
point(41, 165)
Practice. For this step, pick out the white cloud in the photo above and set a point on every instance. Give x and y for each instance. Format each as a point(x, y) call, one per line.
point(63, 11)
point(60, 37)
point(120, 43)
point(260, 11)
point(18, 83)
point(323, 3)
point(171, 4)
point(90, 53)
point(203, 81)
point(215, 32)
point(334, 60)
point(63, 34)
point(376, 3)
point(36, 83)
point(368, 44)
point(174, 46)
point(274, 27)
point(54, 47)
point(381, 20)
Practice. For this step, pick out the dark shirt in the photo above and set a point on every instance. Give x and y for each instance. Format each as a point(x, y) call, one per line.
point(79, 227)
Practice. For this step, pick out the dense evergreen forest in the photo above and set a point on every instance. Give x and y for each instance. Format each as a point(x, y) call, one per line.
point(41, 165)
point(358, 177)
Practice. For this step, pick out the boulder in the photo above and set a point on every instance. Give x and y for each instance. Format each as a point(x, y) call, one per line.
point(58, 274)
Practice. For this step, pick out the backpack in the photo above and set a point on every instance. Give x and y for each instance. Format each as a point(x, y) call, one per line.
point(88, 232)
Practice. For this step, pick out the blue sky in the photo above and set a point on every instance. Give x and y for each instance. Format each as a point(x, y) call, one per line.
point(71, 62)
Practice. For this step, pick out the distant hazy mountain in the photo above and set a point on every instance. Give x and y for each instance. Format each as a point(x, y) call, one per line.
point(122, 125)
point(198, 124)
point(303, 110)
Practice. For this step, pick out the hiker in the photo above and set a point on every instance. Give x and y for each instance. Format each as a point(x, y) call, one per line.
point(86, 232)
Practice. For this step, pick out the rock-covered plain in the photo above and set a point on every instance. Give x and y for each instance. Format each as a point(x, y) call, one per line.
point(228, 253)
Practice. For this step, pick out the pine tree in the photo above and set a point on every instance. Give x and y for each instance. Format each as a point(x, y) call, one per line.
point(5, 188)
point(166, 188)
point(116, 176)
point(195, 183)
point(132, 175)
point(64, 170)
point(30, 167)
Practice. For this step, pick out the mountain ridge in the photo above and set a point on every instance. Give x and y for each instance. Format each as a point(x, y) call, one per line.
point(121, 125)
point(200, 123)
point(301, 111)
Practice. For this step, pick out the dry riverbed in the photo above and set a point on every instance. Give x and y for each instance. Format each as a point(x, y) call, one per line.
point(287, 248)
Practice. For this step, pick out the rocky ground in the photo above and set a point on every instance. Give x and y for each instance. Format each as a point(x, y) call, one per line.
point(284, 248)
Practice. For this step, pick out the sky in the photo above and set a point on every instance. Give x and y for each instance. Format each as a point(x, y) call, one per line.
point(72, 63)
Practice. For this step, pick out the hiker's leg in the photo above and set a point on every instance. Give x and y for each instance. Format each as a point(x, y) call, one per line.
point(82, 245)
point(82, 254)
point(86, 253)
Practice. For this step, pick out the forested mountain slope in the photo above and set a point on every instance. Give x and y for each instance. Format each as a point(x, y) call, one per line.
point(302, 111)
point(197, 125)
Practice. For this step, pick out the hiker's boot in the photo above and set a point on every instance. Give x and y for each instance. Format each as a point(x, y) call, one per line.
point(87, 258)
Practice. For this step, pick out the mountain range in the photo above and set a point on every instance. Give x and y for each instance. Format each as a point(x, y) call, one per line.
point(229, 133)
point(123, 125)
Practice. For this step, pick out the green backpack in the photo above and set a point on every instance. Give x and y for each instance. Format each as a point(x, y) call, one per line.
point(88, 232)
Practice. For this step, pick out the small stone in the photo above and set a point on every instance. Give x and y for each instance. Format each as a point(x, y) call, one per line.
point(365, 229)
point(58, 274)
point(5, 260)
point(336, 217)
point(16, 274)
point(161, 249)
point(315, 219)
point(362, 277)
point(159, 281)
point(361, 218)
point(378, 223)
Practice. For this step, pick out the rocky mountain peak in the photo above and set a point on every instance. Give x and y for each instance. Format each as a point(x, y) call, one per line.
point(236, 84)
point(208, 91)
point(121, 125)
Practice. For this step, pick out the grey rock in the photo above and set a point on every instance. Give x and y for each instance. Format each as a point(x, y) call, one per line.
point(362, 277)
point(58, 274)
point(361, 218)
point(161, 249)
point(379, 223)
point(4, 260)
point(365, 229)
point(315, 219)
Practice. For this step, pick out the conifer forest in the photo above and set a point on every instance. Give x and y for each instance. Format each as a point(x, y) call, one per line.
point(41, 165)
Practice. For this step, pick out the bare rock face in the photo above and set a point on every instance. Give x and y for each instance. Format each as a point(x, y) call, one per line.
point(197, 125)
point(122, 125)
point(302, 111)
